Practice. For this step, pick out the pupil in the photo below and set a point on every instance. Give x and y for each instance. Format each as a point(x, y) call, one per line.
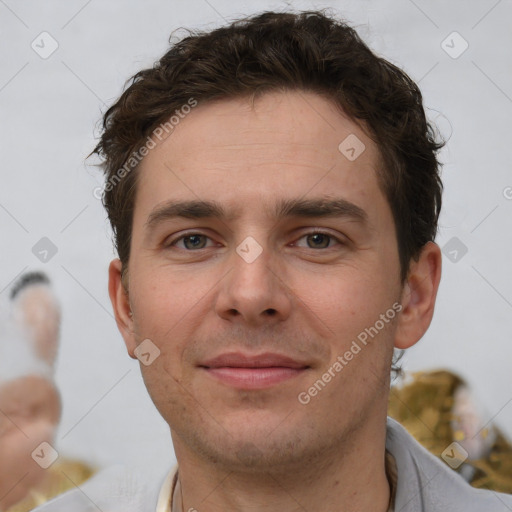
point(318, 237)
point(193, 241)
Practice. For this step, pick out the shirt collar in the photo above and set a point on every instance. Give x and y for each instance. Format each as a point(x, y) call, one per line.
point(164, 503)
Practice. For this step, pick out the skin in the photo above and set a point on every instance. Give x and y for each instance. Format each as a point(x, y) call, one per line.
point(304, 296)
point(29, 415)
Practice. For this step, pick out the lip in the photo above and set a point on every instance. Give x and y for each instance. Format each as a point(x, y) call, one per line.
point(244, 371)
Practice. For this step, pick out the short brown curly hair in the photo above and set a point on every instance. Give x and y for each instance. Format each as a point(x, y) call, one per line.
point(308, 51)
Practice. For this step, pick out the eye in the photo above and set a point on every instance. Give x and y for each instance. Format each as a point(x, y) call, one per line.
point(319, 240)
point(190, 241)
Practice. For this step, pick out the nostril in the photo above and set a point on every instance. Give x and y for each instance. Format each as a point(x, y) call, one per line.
point(271, 312)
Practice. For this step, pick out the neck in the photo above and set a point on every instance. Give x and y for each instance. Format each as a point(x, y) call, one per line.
point(350, 478)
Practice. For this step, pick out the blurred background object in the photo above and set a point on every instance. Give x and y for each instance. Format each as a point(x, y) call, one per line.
point(439, 410)
point(31, 470)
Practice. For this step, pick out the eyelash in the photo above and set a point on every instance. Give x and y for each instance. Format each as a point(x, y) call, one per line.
point(309, 233)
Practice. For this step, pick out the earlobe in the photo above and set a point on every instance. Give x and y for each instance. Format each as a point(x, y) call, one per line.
point(419, 296)
point(121, 305)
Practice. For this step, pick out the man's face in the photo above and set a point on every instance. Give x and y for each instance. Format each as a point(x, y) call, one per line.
point(259, 281)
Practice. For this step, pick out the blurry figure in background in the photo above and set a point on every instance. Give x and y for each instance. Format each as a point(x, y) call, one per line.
point(438, 409)
point(30, 405)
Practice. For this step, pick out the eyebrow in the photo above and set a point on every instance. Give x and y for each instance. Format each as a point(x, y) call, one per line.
point(197, 209)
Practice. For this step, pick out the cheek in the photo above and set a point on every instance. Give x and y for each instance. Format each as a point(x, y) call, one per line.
point(349, 309)
point(347, 300)
point(169, 305)
point(163, 291)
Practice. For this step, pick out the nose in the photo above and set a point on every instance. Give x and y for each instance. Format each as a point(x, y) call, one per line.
point(254, 291)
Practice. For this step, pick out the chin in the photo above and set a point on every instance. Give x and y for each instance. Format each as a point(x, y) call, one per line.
point(257, 443)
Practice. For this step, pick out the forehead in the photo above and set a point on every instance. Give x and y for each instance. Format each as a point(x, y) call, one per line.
point(278, 146)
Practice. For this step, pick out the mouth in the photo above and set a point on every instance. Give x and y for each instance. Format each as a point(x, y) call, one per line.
point(244, 371)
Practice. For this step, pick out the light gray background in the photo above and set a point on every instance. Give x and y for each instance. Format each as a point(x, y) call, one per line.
point(49, 110)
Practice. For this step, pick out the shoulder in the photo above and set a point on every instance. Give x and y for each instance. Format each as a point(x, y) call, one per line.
point(115, 489)
point(428, 485)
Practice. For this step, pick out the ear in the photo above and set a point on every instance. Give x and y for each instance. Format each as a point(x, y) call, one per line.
point(120, 299)
point(419, 296)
